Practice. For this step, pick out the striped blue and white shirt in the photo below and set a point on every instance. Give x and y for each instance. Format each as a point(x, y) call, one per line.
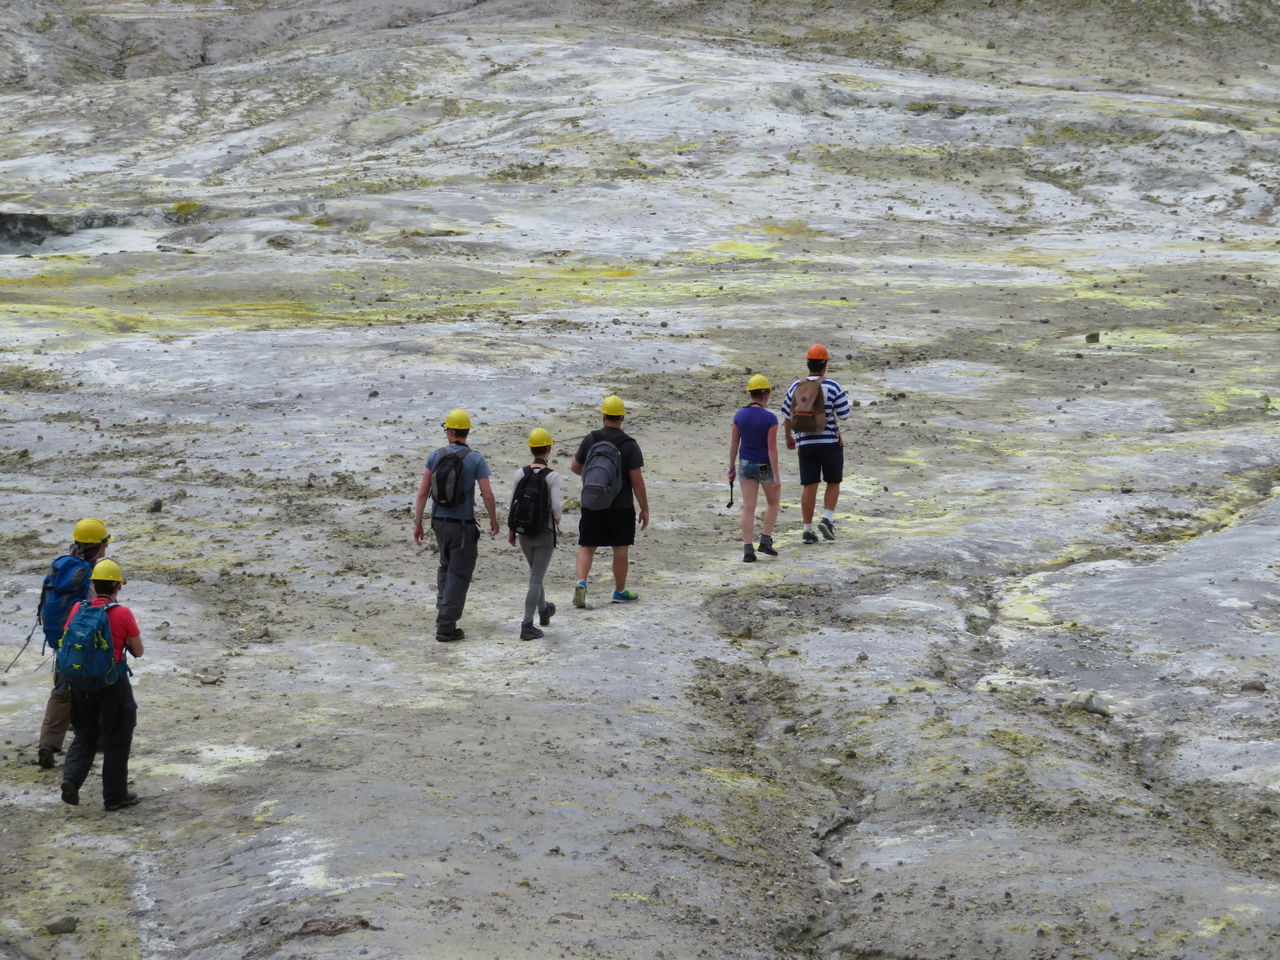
point(836, 402)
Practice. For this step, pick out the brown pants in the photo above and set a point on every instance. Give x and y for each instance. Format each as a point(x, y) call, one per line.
point(57, 717)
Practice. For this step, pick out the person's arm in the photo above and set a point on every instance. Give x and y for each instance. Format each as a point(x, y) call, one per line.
point(773, 455)
point(133, 645)
point(576, 467)
point(420, 504)
point(642, 496)
point(553, 487)
point(735, 437)
point(791, 440)
point(486, 492)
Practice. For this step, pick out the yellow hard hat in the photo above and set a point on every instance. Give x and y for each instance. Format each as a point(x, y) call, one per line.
point(90, 530)
point(457, 419)
point(540, 437)
point(613, 406)
point(759, 382)
point(107, 570)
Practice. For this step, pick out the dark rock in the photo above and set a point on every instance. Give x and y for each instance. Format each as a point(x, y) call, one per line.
point(62, 925)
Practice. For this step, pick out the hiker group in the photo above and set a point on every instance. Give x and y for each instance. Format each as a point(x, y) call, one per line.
point(610, 464)
point(90, 632)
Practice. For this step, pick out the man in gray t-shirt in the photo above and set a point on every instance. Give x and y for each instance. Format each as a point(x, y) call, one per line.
point(454, 525)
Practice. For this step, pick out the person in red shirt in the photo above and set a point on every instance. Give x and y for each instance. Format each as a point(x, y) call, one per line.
point(108, 715)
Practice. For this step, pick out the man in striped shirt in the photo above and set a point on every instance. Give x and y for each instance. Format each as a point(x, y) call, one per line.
point(821, 451)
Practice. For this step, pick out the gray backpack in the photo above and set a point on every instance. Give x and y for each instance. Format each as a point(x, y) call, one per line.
point(601, 475)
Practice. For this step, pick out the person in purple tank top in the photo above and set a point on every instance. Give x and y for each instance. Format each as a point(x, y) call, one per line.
point(753, 459)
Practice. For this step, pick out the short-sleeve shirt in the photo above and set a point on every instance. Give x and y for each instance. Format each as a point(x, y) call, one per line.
point(123, 623)
point(632, 459)
point(474, 467)
point(754, 424)
point(836, 402)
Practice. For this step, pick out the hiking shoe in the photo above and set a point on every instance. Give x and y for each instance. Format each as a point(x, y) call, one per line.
point(70, 793)
point(748, 553)
point(766, 545)
point(450, 636)
point(529, 632)
point(810, 537)
point(44, 757)
point(828, 529)
point(625, 596)
point(580, 594)
point(128, 800)
point(545, 615)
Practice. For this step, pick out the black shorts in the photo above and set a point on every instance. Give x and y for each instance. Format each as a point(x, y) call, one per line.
point(607, 528)
point(823, 461)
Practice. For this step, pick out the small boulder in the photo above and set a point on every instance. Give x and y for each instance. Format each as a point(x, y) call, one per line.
point(62, 925)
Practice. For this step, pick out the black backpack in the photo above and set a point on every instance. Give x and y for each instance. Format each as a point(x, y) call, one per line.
point(447, 486)
point(530, 503)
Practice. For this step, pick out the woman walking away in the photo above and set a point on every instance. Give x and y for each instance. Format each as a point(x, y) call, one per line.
point(753, 459)
point(534, 517)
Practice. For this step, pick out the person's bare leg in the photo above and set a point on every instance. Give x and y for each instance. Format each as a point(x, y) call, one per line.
point(585, 556)
point(750, 491)
point(773, 500)
point(620, 568)
point(808, 500)
point(831, 496)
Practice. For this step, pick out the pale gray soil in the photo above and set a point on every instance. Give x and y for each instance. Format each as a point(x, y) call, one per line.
point(1023, 708)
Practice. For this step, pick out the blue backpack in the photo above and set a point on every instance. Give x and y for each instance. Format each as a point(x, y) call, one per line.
point(86, 655)
point(66, 582)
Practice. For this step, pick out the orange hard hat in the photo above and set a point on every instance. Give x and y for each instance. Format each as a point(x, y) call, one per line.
point(818, 352)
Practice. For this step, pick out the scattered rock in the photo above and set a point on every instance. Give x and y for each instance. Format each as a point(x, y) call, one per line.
point(1092, 337)
point(62, 925)
point(156, 506)
point(1253, 686)
point(1088, 701)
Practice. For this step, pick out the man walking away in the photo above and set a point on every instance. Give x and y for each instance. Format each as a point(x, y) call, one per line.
point(67, 582)
point(534, 518)
point(810, 414)
point(609, 462)
point(449, 480)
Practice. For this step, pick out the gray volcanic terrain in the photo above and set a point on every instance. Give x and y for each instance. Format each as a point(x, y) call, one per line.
point(1023, 708)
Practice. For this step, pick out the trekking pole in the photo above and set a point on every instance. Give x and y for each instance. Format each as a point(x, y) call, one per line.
point(730, 503)
point(24, 646)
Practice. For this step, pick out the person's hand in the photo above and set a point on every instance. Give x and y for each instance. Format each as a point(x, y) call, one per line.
point(791, 442)
point(417, 532)
point(493, 526)
point(644, 519)
point(732, 473)
point(777, 483)
point(511, 537)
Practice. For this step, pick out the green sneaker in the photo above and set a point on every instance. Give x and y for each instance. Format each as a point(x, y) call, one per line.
point(580, 594)
point(828, 529)
point(810, 537)
point(625, 596)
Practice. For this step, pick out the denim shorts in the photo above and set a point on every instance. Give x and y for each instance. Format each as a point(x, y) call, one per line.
point(750, 470)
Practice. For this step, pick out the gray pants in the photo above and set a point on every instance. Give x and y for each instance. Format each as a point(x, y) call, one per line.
point(537, 550)
point(459, 544)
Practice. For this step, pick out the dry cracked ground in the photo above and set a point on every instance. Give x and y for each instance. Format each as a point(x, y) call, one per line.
point(1024, 707)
